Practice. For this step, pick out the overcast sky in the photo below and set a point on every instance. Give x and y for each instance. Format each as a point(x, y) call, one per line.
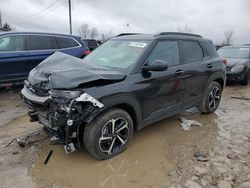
point(210, 18)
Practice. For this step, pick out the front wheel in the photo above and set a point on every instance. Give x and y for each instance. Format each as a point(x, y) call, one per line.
point(109, 134)
point(212, 98)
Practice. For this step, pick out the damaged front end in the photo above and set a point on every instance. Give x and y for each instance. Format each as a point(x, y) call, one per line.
point(56, 93)
point(63, 113)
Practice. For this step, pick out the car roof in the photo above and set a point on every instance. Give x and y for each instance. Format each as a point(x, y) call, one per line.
point(237, 46)
point(166, 35)
point(38, 33)
point(89, 39)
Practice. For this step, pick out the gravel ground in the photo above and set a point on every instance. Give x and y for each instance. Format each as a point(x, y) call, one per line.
point(161, 155)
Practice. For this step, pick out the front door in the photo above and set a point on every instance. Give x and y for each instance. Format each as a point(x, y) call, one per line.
point(162, 91)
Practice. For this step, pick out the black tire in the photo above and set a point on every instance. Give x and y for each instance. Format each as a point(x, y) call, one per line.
point(212, 98)
point(98, 136)
point(244, 81)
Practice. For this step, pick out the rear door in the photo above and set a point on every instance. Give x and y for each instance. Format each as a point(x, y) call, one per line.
point(40, 47)
point(13, 58)
point(193, 72)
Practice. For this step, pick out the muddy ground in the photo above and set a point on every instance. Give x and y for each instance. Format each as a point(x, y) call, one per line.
point(159, 156)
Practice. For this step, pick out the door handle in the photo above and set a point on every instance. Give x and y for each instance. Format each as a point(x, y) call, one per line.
point(179, 72)
point(209, 65)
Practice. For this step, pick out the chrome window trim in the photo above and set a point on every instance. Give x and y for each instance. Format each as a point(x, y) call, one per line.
point(56, 49)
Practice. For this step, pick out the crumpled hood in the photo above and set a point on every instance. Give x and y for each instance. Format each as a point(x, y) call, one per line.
point(62, 71)
point(234, 61)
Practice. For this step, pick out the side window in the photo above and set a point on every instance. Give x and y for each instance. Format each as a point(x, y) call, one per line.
point(36, 42)
point(191, 51)
point(64, 42)
point(167, 51)
point(12, 43)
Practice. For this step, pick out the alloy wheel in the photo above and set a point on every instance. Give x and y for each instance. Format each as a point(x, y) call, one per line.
point(114, 135)
point(214, 97)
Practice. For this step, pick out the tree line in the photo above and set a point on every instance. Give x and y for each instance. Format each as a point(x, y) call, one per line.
point(88, 32)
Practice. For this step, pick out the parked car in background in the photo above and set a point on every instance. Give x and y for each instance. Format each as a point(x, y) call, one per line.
point(238, 62)
point(127, 83)
point(20, 52)
point(91, 43)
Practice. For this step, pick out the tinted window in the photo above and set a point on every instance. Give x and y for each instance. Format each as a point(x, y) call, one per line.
point(92, 43)
point(36, 42)
point(234, 52)
point(64, 42)
point(210, 48)
point(167, 51)
point(192, 51)
point(12, 43)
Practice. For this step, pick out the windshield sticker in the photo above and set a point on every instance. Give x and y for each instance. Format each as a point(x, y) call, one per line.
point(138, 44)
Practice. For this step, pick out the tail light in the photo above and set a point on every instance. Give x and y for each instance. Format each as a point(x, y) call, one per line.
point(224, 61)
point(86, 52)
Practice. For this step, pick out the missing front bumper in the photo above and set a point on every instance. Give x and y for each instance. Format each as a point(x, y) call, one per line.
point(63, 119)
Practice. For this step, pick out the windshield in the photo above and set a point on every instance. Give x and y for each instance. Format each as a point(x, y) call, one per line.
point(234, 52)
point(120, 54)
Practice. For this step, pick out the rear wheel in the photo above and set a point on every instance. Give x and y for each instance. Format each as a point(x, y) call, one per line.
point(212, 98)
point(109, 134)
point(244, 81)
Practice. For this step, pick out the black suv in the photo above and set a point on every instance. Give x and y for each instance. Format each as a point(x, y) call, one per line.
point(127, 83)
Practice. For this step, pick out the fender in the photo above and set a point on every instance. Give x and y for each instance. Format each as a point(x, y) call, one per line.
point(116, 100)
point(215, 76)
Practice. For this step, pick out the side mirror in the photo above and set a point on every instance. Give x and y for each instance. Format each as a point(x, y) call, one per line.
point(157, 65)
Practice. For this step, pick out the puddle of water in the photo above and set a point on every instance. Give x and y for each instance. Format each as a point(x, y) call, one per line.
point(143, 164)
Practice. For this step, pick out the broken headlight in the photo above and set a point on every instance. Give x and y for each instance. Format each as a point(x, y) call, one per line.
point(64, 94)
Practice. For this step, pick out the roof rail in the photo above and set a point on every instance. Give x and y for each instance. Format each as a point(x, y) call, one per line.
point(123, 34)
point(178, 33)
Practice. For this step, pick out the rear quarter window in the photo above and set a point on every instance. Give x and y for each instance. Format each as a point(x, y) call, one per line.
point(37, 42)
point(210, 48)
point(191, 51)
point(65, 42)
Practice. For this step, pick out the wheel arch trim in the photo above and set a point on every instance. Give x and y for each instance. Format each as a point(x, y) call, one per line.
point(127, 102)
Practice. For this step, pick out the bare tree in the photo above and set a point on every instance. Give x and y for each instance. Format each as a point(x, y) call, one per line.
point(186, 29)
point(93, 33)
point(106, 36)
point(7, 27)
point(84, 30)
point(228, 37)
